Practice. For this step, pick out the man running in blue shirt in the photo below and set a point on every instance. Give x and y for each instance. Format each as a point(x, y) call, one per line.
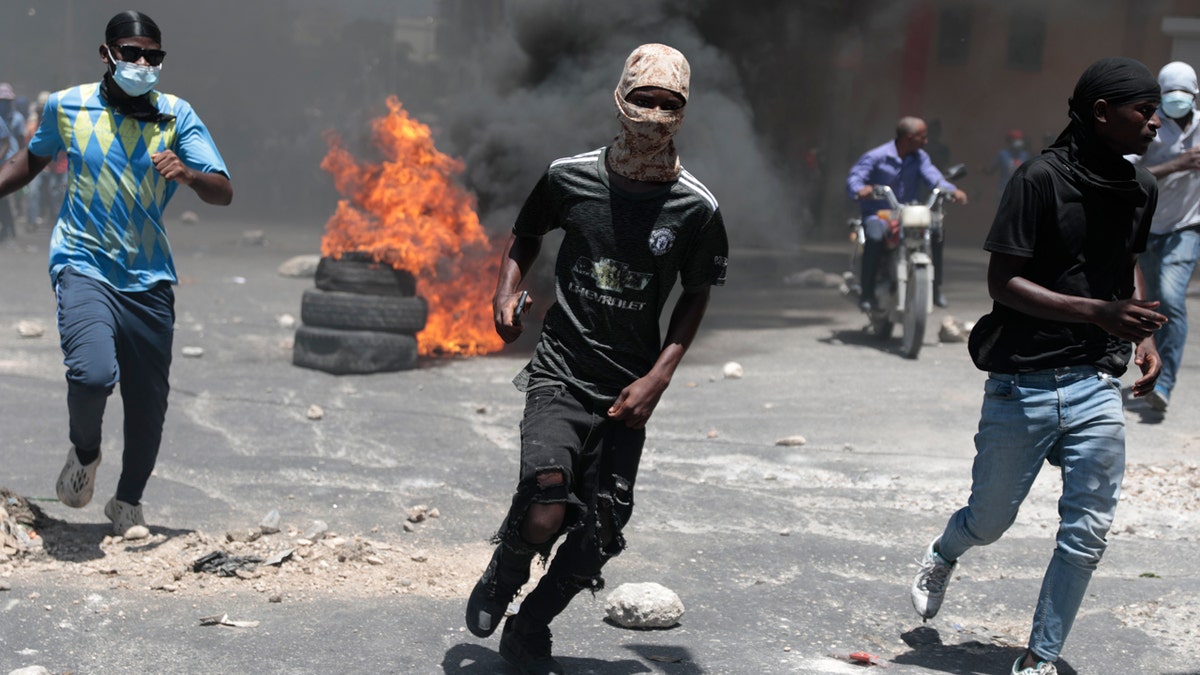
point(129, 148)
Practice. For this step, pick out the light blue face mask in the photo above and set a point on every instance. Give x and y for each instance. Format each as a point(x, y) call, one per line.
point(1177, 104)
point(133, 79)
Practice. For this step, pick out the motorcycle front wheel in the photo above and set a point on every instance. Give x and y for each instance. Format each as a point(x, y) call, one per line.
point(916, 311)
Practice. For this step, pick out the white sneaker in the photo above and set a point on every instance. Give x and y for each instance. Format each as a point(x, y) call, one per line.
point(929, 586)
point(127, 519)
point(76, 481)
point(1042, 668)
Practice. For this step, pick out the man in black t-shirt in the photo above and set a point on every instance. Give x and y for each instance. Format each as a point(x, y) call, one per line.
point(1068, 313)
point(633, 222)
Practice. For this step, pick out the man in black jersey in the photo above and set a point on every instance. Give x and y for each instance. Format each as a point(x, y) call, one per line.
point(1069, 311)
point(633, 221)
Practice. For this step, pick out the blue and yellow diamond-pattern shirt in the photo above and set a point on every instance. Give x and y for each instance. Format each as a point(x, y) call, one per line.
point(110, 226)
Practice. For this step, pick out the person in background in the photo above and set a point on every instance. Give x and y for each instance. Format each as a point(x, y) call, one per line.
point(1068, 313)
point(904, 166)
point(634, 222)
point(11, 143)
point(111, 264)
point(1011, 156)
point(35, 192)
point(1174, 244)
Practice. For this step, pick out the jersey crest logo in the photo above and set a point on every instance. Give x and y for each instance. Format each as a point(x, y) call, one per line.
point(661, 240)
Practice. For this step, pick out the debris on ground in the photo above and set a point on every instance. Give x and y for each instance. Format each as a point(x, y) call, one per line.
point(301, 266)
point(733, 370)
point(225, 565)
point(421, 512)
point(253, 238)
point(953, 330)
point(270, 522)
point(814, 278)
point(865, 658)
point(791, 441)
point(19, 520)
point(291, 565)
point(224, 620)
point(315, 412)
point(30, 329)
point(644, 605)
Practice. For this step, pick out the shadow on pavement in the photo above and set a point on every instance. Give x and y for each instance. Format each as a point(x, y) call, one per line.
point(1139, 407)
point(862, 338)
point(80, 542)
point(473, 659)
point(676, 660)
point(971, 657)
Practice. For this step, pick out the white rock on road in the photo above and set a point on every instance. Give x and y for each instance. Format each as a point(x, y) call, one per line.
point(645, 605)
point(300, 266)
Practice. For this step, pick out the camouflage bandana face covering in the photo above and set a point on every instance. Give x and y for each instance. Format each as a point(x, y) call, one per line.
point(644, 150)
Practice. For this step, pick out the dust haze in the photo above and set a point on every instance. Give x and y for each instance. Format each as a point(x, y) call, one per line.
point(506, 86)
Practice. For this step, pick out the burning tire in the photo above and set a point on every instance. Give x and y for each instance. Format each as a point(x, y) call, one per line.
point(344, 352)
point(352, 311)
point(356, 273)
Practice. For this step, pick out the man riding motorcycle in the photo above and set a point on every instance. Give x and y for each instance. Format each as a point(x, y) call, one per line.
point(904, 166)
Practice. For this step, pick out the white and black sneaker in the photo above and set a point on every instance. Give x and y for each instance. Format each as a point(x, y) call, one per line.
point(1042, 668)
point(929, 586)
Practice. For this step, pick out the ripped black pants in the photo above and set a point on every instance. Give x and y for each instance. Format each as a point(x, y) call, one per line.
point(599, 458)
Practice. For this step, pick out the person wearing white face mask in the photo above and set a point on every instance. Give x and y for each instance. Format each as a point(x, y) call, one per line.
point(111, 267)
point(1174, 244)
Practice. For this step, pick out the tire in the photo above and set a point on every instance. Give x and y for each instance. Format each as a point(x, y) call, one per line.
point(916, 311)
point(346, 352)
point(881, 325)
point(353, 311)
point(355, 273)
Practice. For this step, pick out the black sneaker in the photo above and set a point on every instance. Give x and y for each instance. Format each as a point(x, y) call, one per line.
point(528, 652)
point(505, 575)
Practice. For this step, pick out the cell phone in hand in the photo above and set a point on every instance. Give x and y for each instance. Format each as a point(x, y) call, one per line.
point(520, 308)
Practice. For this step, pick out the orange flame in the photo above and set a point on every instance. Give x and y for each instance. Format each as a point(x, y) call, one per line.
point(408, 212)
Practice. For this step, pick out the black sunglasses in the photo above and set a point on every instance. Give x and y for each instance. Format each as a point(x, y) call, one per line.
point(132, 53)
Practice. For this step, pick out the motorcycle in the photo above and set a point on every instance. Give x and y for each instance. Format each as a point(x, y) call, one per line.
point(904, 289)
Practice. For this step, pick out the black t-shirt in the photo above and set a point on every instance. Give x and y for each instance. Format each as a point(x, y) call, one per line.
point(619, 258)
point(1081, 239)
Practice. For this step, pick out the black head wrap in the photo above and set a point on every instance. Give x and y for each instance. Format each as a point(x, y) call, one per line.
point(131, 23)
point(1118, 81)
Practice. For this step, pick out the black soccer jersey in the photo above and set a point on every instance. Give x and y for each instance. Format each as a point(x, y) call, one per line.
point(620, 256)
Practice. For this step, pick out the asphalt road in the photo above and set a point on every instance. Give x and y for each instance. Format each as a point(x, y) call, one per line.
point(783, 556)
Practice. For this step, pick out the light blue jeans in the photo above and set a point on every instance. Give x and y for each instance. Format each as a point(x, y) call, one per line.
point(1073, 419)
point(1167, 265)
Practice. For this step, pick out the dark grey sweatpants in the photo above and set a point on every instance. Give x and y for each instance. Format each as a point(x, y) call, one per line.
point(110, 336)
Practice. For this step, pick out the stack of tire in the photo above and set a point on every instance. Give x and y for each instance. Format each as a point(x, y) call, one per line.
point(362, 317)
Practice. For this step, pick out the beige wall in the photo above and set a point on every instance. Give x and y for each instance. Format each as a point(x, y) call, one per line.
point(979, 100)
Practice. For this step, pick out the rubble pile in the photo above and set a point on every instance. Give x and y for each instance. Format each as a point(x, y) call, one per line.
point(18, 522)
point(283, 562)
